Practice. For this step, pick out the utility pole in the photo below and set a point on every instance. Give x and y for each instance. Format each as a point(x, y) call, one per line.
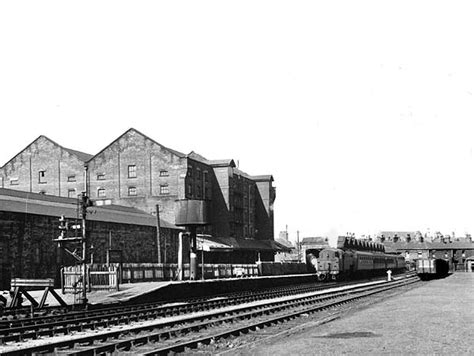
point(84, 204)
point(298, 247)
point(158, 236)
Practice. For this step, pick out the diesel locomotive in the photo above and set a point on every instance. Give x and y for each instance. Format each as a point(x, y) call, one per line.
point(354, 259)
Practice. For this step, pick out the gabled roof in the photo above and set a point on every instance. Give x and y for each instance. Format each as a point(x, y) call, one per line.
point(234, 243)
point(84, 157)
point(176, 153)
point(314, 241)
point(197, 157)
point(415, 245)
point(242, 173)
point(222, 163)
point(262, 178)
point(285, 242)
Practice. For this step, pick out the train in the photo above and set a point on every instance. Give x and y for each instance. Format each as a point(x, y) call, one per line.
point(430, 268)
point(354, 259)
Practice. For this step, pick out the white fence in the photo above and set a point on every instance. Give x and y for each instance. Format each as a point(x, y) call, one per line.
point(97, 278)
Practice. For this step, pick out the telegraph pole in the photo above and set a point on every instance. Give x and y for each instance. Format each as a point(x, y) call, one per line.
point(84, 204)
point(298, 247)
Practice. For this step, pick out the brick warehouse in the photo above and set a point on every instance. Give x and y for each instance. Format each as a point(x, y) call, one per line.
point(132, 175)
point(29, 222)
point(136, 171)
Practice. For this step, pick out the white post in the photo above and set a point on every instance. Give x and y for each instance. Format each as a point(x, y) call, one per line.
point(180, 257)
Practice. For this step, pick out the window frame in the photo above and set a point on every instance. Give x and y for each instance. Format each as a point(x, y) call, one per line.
point(132, 171)
point(101, 193)
point(42, 176)
point(164, 189)
point(132, 191)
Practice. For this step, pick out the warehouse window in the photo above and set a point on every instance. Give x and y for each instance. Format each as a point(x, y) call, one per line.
point(42, 177)
point(132, 171)
point(71, 178)
point(164, 173)
point(132, 191)
point(14, 181)
point(100, 176)
point(164, 190)
point(71, 193)
point(101, 193)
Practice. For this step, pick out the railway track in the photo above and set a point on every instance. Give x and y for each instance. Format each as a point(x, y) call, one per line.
point(23, 324)
point(182, 328)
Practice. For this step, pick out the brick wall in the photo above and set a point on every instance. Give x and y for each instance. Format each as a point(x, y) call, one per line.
point(157, 175)
point(60, 170)
point(28, 251)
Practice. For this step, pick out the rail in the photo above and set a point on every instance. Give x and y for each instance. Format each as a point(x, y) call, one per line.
point(177, 328)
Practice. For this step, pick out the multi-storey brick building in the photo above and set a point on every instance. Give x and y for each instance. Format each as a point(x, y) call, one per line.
point(46, 167)
point(136, 171)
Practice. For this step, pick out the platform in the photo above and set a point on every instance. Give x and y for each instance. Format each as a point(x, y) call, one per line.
point(127, 291)
point(169, 290)
point(435, 318)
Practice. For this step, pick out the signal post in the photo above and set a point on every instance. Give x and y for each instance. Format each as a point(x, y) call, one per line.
point(84, 203)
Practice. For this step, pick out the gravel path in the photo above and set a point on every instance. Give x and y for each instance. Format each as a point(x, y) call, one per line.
point(436, 318)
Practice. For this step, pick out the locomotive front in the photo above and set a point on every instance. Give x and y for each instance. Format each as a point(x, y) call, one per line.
point(329, 264)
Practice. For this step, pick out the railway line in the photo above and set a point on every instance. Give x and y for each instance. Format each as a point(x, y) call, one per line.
point(159, 329)
point(23, 324)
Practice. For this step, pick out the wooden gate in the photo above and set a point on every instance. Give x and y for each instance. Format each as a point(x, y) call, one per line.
point(98, 278)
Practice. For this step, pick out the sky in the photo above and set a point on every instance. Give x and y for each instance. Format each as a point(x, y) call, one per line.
point(361, 110)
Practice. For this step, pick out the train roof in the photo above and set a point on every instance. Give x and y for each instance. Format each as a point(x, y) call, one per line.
point(351, 243)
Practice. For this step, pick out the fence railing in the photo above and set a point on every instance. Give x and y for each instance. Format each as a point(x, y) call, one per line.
point(142, 272)
point(98, 278)
point(109, 277)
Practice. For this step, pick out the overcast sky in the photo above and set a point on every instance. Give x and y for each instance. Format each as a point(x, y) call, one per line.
point(361, 110)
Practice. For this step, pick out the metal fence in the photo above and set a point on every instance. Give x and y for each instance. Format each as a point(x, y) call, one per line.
point(109, 277)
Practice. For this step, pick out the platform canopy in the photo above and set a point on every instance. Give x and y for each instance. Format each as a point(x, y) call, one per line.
point(211, 243)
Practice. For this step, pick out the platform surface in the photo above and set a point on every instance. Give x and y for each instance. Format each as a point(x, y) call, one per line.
point(130, 291)
point(436, 318)
point(127, 291)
